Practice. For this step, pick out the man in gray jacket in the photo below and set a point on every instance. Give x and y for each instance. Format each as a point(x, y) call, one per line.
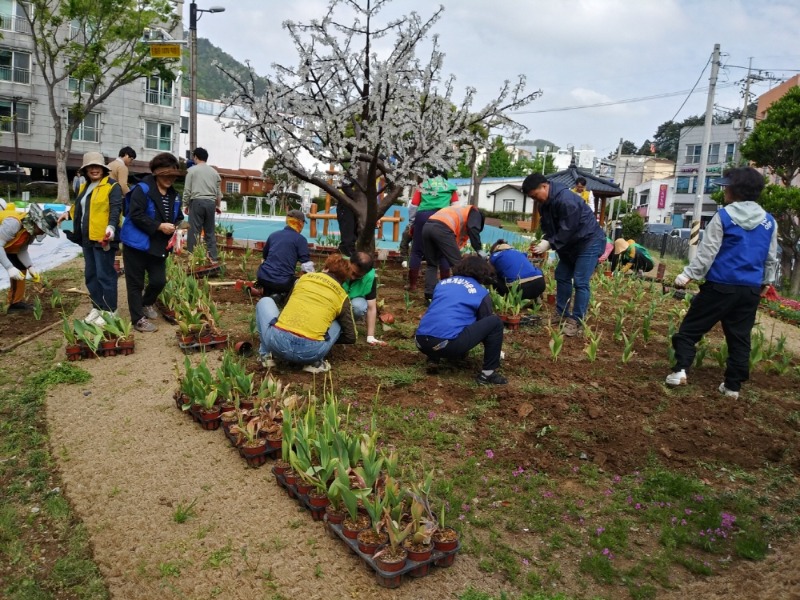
point(202, 195)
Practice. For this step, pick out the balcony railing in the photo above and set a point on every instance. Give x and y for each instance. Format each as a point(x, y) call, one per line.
point(23, 125)
point(15, 75)
point(157, 97)
point(12, 23)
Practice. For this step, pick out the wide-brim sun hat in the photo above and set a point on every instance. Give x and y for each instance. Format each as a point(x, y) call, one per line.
point(93, 159)
point(620, 246)
point(46, 219)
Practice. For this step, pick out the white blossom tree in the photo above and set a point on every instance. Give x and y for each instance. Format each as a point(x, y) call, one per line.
point(383, 118)
point(98, 47)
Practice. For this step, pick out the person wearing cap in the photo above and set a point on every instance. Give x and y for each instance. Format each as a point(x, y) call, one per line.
point(512, 265)
point(96, 217)
point(444, 235)
point(460, 317)
point(202, 194)
point(738, 260)
point(630, 255)
point(282, 251)
point(570, 228)
point(118, 168)
point(362, 290)
point(153, 215)
point(316, 316)
point(17, 231)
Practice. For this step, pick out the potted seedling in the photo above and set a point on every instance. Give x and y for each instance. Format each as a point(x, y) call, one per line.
point(72, 349)
point(89, 336)
point(392, 557)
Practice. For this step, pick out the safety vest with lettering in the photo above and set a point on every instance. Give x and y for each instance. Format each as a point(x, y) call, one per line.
point(455, 217)
point(743, 253)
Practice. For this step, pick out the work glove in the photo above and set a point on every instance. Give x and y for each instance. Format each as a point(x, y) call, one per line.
point(307, 267)
point(541, 247)
point(109, 233)
point(15, 273)
point(34, 274)
point(373, 341)
point(681, 280)
point(483, 254)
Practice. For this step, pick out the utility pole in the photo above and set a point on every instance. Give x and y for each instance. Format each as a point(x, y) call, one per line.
point(694, 236)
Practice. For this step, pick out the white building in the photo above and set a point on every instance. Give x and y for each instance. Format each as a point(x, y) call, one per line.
point(653, 200)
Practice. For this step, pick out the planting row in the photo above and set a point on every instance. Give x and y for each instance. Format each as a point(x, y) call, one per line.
point(90, 340)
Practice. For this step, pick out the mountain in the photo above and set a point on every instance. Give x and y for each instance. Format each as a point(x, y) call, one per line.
point(538, 143)
point(211, 83)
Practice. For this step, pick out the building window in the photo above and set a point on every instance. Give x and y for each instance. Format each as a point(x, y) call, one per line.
point(7, 116)
point(693, 153)
point(12, 16)
point(184, 124)
point(159, 91)
point(72, 85)
point(713, 154)
point(508, 205)
point(15, 66)
point(89, 129)
point(232, 187)
point(158, 136)
point(682, 185)
point(730, 151)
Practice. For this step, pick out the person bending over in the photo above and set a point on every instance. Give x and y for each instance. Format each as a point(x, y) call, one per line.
point(363, 293)
point(282, 251)
point(512, 265)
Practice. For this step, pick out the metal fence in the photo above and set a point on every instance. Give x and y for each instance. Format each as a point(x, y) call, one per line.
point(670, 246)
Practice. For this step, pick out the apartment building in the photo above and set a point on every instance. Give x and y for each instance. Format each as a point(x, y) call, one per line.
point(144, 115)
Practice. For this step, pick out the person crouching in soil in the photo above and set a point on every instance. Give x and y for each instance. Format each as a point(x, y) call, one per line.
point(512, 265)
point(460, 317)
point(738, 260)
point(316, 316)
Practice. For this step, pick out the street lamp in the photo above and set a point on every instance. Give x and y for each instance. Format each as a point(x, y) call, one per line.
point(194, 16)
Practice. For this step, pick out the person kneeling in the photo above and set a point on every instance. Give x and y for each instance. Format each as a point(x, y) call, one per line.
point(460, 317)
point(316, 316)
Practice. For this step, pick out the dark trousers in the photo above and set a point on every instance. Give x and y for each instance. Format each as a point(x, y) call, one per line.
point(418, 246)
point(487, 331)
point(202, 214)
point(530, 289)
point(439, 244)
point(100, 277)
point(348, 229)
point(137, 263)
point(735, 307)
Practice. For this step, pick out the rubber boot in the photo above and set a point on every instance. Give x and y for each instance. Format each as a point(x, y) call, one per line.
point(413, 280)
point(16, 291)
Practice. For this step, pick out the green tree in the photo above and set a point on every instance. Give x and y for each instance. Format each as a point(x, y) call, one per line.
point(632, 225)
point(668, 135)
point(783, 203)
point(499, 161)
point(628, 147)
point(97, 44)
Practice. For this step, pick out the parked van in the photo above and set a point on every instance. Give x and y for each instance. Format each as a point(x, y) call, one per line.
point(658, 228)
point(684, 233)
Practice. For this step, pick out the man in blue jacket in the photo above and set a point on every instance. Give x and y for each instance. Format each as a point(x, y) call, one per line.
point(571, 229)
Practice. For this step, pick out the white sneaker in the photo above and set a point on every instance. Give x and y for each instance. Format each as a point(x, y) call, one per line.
point(321, 366)
point(267, 361)
point(92, 316)
point(100, 320)
point(726, 392)
point(677, 378)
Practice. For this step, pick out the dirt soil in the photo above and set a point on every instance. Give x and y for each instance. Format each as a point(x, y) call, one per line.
point(129, 459)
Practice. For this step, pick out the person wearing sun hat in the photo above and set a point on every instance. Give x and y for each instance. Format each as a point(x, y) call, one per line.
point(17, 231)
point(629, 255)
point(96, 217)
point(738, 260)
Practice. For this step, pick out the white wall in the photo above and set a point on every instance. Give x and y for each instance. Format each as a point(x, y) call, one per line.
point(651, 189)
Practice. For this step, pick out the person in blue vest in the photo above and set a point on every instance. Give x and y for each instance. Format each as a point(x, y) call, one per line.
point(738, 260)
point(512, 265)
point(460, 317)
point(282, 251)
point(570, 228)
point(152, 215)
point(362, 290)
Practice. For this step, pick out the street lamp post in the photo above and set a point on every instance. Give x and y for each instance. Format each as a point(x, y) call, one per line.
point(194, 16)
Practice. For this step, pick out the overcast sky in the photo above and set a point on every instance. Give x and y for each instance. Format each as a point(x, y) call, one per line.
point(578, 52)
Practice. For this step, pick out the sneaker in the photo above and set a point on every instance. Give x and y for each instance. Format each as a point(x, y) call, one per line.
point(100, 321)
point(556, 319)
point(494, 379)
point(321, 366)
point(432, 366)
point(92, 316)
point(145, 326)
point(267, 361)
point(20, 306)
point(677, 378)
point(726, 392)
point(571, 328)
point(150, 312)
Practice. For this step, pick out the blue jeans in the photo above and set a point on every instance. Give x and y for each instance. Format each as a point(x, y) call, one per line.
point(100, 277)
point(359, 306)
point(577, 275)
point(286, 345)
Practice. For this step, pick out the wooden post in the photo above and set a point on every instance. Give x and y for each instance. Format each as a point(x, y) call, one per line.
point(312, 225)
point(603, 211)
point(396, 227)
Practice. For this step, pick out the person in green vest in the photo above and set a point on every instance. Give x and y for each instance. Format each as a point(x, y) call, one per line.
point(362, 290)
point(630, 255)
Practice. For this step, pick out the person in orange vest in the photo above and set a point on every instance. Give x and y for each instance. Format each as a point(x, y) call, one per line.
point(17, 231)
point(444, 235)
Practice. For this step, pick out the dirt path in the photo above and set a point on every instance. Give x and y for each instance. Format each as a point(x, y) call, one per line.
point(128, 459)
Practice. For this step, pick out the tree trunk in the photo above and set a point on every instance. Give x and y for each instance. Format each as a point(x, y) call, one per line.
point(61, 175)
point(794, 286)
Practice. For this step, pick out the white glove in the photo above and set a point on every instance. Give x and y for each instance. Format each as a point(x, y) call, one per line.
point(483, 254)
point(542, 247)
point(307, 267)
point(404, 264)
point(681, 280)
point(15, 273)
point(373, 341)
point(110, 232)
point(33, 273)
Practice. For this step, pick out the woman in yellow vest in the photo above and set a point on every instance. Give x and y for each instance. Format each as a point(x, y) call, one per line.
point(96, 217)
point(316, 316)
point(17, 231)
point(443, 236)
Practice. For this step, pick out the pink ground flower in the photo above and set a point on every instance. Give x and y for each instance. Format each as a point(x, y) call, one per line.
point(489, 454)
